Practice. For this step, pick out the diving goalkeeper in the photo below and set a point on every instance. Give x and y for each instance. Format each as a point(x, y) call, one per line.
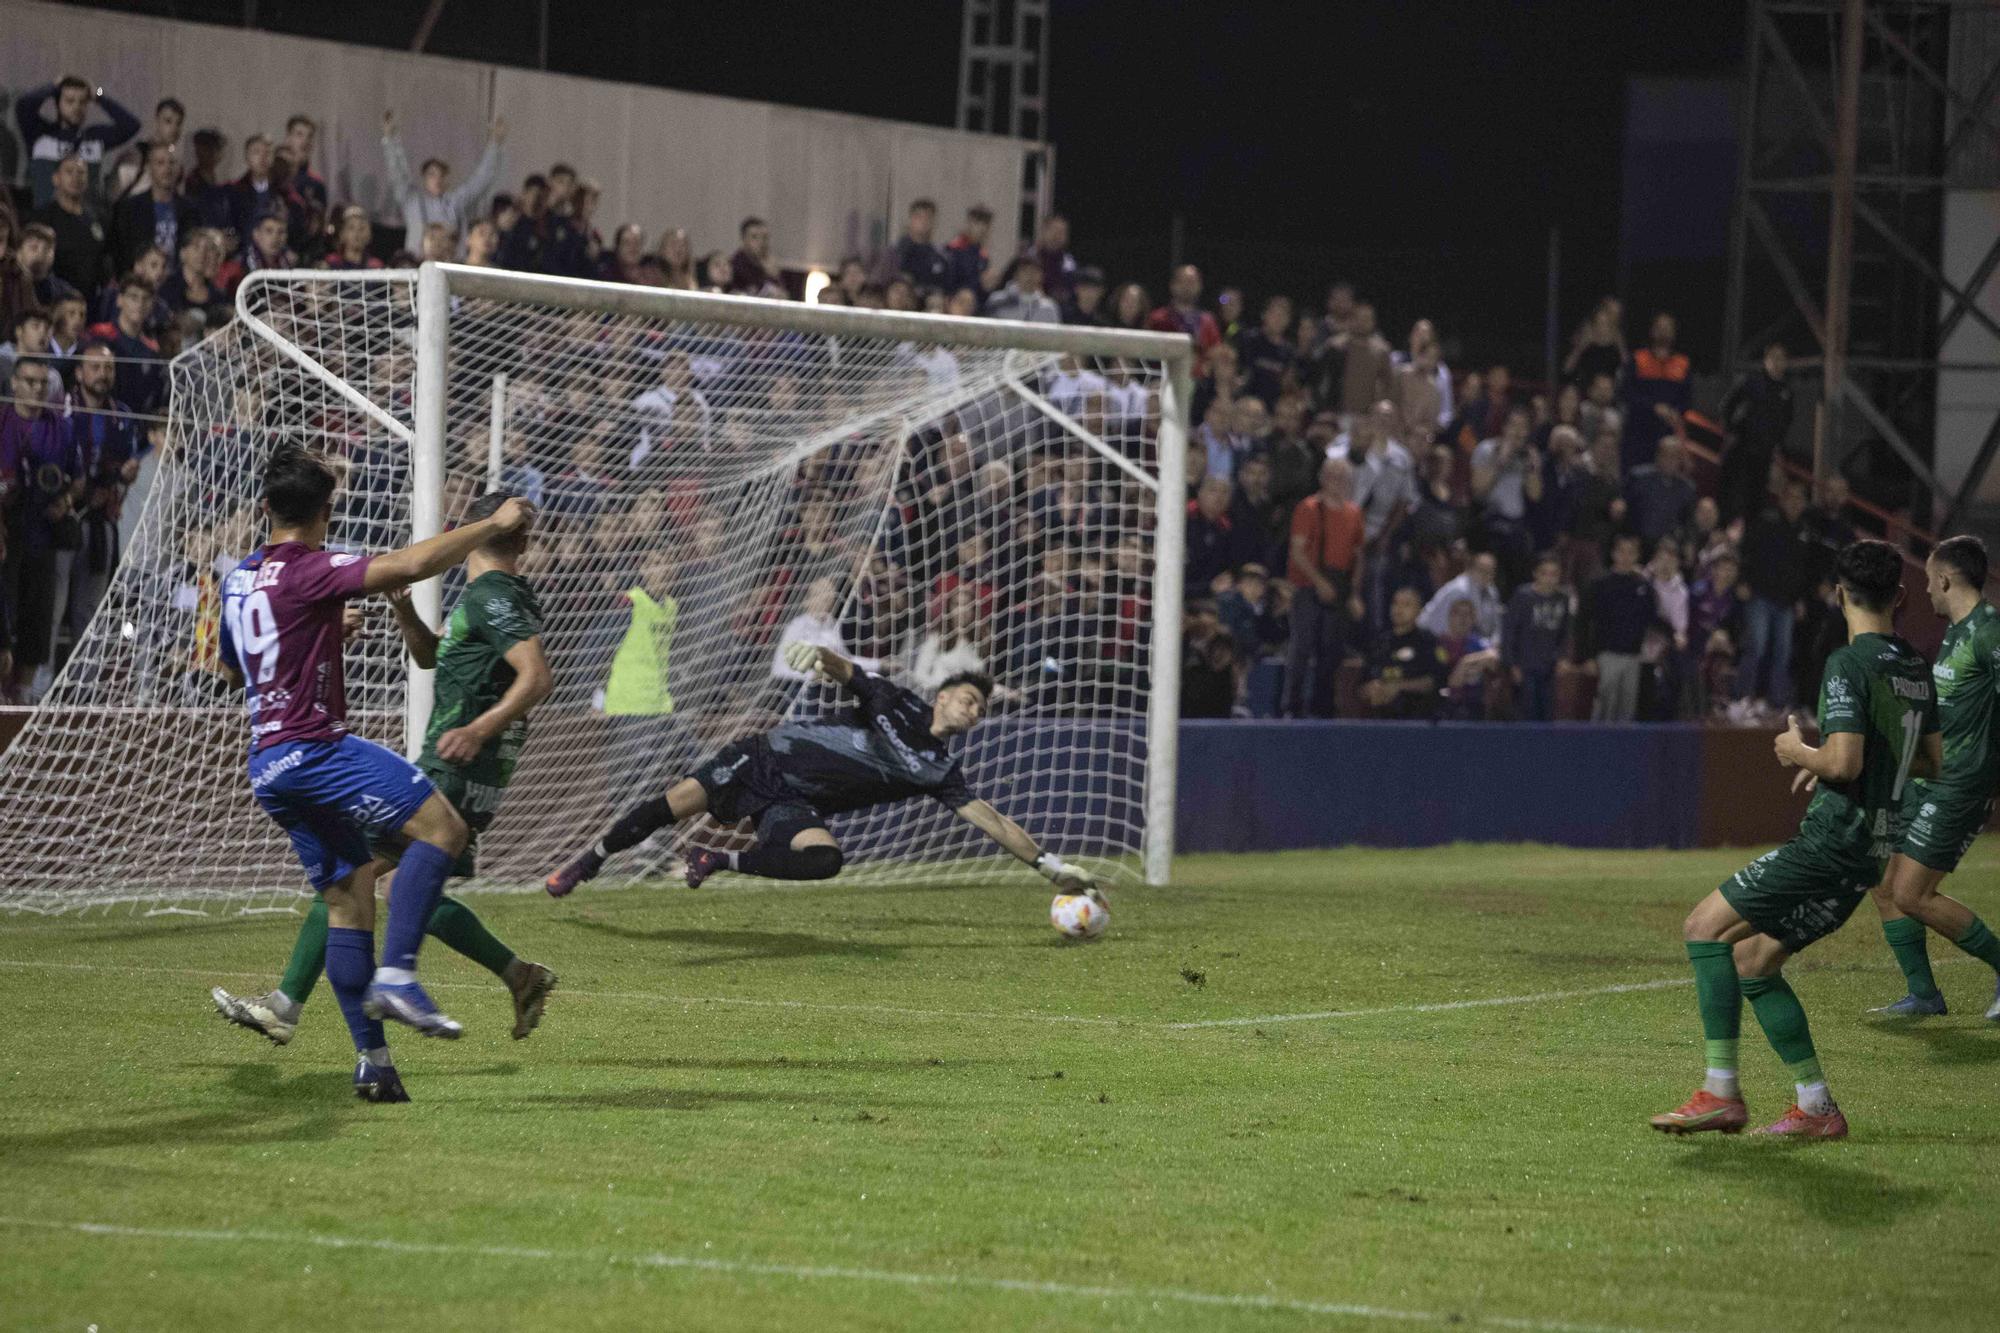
point(893, 747)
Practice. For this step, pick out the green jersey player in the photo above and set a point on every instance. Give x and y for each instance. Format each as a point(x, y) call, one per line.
point(1878, 728)
point(490, 672)
point(1942, 817)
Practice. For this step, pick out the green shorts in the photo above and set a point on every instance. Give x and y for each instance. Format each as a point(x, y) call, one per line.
point(1800, 893)
point(1939, 824)
point(476, 803)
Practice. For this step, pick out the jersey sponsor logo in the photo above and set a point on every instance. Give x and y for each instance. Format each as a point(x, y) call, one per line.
point(277, 768)
point(1910, 689)
point(372, 811)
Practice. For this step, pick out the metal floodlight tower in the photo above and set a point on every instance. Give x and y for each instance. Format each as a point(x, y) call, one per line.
point(1003, 65)
point(1868, 127)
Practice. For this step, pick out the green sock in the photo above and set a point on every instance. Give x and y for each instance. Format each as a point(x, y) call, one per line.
point(1783, 1019)
point(1906, 941)
point(457, 927)
point(1720, 1003)
point(308, 955)
point(1981, 944)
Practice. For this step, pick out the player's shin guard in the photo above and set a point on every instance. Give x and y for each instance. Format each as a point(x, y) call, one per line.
point(459, 928)
point(420, 877)
point(350, 963)
point(308, 955)
point(635, 826)
point(1783, 1019)
point(815, 862)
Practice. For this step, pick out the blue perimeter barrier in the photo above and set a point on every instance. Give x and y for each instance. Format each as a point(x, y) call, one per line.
point(1257, 786)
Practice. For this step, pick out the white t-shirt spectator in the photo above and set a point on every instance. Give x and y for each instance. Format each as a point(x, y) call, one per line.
point(1069, 389)
point(1010, 302)
point(1670, 598)
point(1509, 496)
point(1486, 609)
point(1383, 480)
point(939, 364)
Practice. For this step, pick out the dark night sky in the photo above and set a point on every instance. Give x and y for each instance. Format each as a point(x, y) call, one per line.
point(1423, 148)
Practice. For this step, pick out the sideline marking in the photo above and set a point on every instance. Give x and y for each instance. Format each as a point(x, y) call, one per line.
point(1492, 1002)
point(819, 1272)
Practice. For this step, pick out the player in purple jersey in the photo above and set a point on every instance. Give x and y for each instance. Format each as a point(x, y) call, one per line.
point(328, 789)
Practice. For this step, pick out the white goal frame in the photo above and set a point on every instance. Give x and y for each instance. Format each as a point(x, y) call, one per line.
point(437, 285)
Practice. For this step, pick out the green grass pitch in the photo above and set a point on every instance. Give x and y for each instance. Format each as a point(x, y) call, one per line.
point(840, 1108)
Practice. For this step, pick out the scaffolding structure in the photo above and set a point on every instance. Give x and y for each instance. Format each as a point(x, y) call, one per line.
point(1003, 64)
point(1861, 117)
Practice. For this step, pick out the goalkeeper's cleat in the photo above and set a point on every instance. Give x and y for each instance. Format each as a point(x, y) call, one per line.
point(701, 863)
point(581, 870)
point(1800, 1124)
point(378, 1083)
point(253, 1012)
point(531, 994)
point(1911, 1006)
point(408, 1004)
point(1705, 1112)
point(1993, 1010)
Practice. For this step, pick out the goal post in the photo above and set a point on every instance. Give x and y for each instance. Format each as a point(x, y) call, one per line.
point(713, 474)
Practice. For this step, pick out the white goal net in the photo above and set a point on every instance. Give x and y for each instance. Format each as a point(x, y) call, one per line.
point(714, 476)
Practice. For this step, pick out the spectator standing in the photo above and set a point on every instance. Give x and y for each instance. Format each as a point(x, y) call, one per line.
point(203, 186)
point(1183, 314)
point(968, 267)
point(1468, 657)
point(126, 176)
point(34, 336)
point(1506, 480)
point(429, 196)
point(1476, 585)
point(752, 272)
point(1715, 627)
point(1599, 345)
point(80, 251)
point(140, 381)
point(1423, 392)
point(1129, 307)
point(1220, 442)
point(1405, 665)
point(1757, 415)
point(1267, 353)
point(156, 214)
point(622, 263)
point(1214, 547)
point(1659, 497)
point(1368, 375)
point(15, 293)
point(301, 137)
point(110, 442)
point(193, 285)
point(1600, 509)
point(1658, 391)
point(1325, 569)
point(1617, 612)
point(1295, 460)
point(1023, 298)
point(915, 255)
point(1599, 408)
point(53, 121)
point(1261, 525)
point(1533, 637)
point(1209, 677)
point(265, 249)
point(1778, 560)
point(1086, 300)
point(676, 259)
point(1051, 249)
point(1670, 596)
point(255, 192)
point(43, 471)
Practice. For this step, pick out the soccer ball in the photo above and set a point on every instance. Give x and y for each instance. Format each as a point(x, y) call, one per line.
point(1081, 916)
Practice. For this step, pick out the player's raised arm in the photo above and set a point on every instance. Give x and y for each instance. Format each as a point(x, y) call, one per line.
point(419, 638)
point(822, 662)
point(434, 555)
point(1014, 839)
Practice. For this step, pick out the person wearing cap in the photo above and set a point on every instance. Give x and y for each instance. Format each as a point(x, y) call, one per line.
point(1086, 298)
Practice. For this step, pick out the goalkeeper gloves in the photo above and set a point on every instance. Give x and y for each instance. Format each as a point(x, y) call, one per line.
point(1071, 879)
point(804, 657)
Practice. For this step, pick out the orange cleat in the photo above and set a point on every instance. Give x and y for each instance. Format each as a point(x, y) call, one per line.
point(1802, 1125)
point(1704, 1112)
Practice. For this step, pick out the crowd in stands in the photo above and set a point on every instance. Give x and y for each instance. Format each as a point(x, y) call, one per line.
point(1370, 531)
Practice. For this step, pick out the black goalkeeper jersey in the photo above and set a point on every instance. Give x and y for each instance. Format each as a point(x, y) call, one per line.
point(881, 751)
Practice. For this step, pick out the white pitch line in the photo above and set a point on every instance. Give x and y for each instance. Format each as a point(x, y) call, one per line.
point(1492, 1002)
point(821, 1272)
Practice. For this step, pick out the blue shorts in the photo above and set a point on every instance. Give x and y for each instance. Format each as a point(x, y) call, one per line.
point(329, 796)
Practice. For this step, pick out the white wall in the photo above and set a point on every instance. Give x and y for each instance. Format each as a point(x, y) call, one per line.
point(830, 184)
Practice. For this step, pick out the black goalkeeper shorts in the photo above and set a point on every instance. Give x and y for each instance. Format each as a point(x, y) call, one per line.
point(742, 781)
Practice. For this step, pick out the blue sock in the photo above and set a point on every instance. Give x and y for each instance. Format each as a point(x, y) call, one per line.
point(350, 962)
point(420, 877)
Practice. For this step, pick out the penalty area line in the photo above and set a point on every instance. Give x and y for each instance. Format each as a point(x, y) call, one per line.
point(817, 1273)
point(1491, 1002)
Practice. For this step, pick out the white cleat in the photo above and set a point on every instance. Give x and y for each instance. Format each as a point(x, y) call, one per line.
point(253, 1012)
point(1993, 1010)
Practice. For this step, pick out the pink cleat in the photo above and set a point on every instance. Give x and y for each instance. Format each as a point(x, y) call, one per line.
point(1704, 1112)
point(1801, 1125)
